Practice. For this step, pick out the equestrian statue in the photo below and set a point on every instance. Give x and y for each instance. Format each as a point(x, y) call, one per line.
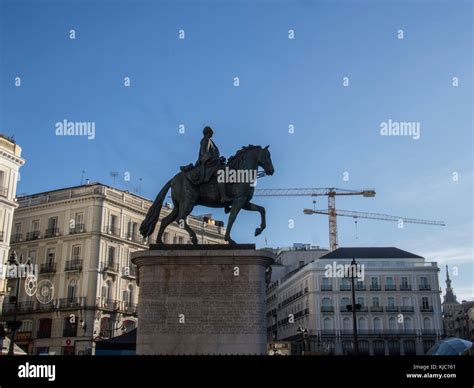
point(213, 183)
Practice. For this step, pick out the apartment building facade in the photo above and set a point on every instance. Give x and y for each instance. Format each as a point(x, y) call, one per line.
point(399, 304)
point(80, 240)
point(10, 163)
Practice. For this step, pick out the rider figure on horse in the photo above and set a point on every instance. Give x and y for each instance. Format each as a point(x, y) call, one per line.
point(210, 161)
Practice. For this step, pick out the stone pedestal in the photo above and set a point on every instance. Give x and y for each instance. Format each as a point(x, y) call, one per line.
point(205, 299)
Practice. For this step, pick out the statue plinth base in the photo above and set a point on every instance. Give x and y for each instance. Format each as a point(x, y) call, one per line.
point(207, 299)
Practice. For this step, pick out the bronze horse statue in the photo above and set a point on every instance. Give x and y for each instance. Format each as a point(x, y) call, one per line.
point(186, 195)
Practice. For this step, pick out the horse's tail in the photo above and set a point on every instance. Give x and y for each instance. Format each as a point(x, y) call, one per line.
point(148, 225)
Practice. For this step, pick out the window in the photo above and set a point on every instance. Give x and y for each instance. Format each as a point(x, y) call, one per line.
point(52, 223)
point(76, 252)
point(129, 325)
point(35, 226)
point(32, 256)
point(327, 302)
point(404, 282)
point(111, 256)
point(376, 301)
point(374, 283)
point(165, 237)
point(377, 324)
point(72, 290)
point(105, 327)
point(113, 224)
point(17, 228)
point(107, 290)
point(409, 347)
point(426, 323)
point(425, 303)
point(130, 295)
point(392, 324)
point(70, 326)
point(361, 301)
point(133, 229)
point(78, 222)
point(346, 324)
point(389, 281)
point(362, 323)
point(406, 301)
point(408, 323)
point(44, 330)
point(379, 347)
point(26, 326)
point(391, 301)
point(394, 347)
point(345, 302)
point(327, 323)
point(345, 284)
point(424, 281)
point(2, 183)
point(50, 255)
point(364, 347)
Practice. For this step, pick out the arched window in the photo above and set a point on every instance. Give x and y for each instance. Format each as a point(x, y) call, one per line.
point(327, 324)
point(426, 323)
point(377, 324)
point(392, 324)
point(362, 323)
point(72, 290)
point(346, 324)
point(129, 325)
point(408, 323)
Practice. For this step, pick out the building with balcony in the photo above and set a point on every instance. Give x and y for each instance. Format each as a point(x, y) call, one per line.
point(80, 239)
point(10, 163)
point(398, 300)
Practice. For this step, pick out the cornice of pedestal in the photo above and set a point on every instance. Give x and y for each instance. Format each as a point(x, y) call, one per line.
point(203, 257)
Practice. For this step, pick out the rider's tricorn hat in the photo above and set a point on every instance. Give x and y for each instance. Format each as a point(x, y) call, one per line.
point(207, 130)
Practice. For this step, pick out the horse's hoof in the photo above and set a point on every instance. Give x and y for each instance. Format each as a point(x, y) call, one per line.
point(258, 231)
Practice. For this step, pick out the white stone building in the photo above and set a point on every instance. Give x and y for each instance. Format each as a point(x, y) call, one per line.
point(10, 163)
point(400, 307)
point(81, 239)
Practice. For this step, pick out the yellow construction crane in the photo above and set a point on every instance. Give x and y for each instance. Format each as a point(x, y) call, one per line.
point(332, 212)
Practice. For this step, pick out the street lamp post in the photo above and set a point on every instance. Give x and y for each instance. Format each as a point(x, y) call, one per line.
point(354, 313)
point(15, 324)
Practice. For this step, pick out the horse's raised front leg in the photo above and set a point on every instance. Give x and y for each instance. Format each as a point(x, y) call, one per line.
point(257, 208)
point(236, 206)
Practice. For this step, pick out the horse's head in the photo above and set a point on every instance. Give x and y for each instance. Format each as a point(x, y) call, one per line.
point(265, 161)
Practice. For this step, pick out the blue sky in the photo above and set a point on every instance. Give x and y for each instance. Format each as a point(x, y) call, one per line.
point(282, 82)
